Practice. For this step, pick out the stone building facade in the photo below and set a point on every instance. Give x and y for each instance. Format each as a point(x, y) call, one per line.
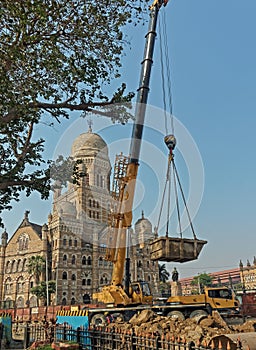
point(73, 241)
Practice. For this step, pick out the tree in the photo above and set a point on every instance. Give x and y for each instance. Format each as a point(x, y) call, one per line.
point(40, 291)
point(163, 273)
point(201, 281)
point(36, 265)
point(56, 57)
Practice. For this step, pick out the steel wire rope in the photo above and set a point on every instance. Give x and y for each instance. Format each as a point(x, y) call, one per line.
point(164, 57)
point(176, 197)
point(184, 199)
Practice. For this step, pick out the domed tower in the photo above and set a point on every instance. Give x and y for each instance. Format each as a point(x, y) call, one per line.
point(78, 220)
point(143, 231)
point(91, 196)
point(142, 267)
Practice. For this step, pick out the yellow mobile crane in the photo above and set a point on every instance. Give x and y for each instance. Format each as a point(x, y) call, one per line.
point(126, 169)
point(123, 301)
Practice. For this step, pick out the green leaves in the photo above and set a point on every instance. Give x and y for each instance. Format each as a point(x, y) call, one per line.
point(55, 57)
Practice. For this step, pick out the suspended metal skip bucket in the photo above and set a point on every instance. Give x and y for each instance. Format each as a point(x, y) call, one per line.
point(176, 249)
point(248, 341)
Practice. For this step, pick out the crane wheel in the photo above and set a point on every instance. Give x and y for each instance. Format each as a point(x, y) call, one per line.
point(176, 315)
point(118, 316)
point(98, 320)
point(198, 314)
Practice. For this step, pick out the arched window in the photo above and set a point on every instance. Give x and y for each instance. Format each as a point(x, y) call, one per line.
point(64, 301)
point(83, 282)
point(64, 275)
point(89, 282)
point(65, 258)
point(100, 261)
point(101, 280)
point(73, 277)
point(73, 301)
point(70, 242)
point(86, 299)
point(89, 260)
point(64, 241)
point(20, 302)
point(75, 243)
point(8, 267)
point(90, 202)
point(73, 261)
point(83, 260)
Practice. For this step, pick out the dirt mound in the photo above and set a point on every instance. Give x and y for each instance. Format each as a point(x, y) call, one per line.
point(191, 329)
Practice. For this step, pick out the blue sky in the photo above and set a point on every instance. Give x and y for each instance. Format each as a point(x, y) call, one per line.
point(212, 59)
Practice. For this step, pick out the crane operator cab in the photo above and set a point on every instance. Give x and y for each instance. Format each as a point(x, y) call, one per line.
point(140, 293)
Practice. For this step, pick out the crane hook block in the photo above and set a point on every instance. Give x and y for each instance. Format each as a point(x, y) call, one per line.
point(170, 142)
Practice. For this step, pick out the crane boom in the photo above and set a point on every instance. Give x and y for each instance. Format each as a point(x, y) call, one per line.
point(122, 218)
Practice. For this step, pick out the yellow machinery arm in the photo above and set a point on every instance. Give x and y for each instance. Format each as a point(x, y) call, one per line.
point(125, 176)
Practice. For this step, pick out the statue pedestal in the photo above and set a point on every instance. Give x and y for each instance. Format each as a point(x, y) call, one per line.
point(176, 289)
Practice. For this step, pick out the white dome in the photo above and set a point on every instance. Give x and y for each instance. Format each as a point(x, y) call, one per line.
point(89, 144)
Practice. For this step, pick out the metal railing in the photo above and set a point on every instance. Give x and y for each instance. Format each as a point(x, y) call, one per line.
point(105, 338)
point(111, 338)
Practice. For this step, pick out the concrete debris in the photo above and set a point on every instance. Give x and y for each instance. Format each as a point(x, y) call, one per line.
point(191, 329)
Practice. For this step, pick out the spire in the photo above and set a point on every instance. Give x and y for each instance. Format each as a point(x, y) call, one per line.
point(142, 214)
point(90, 125)
point(26, 215)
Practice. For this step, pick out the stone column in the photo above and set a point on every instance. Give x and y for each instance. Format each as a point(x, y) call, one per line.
point(176, 289)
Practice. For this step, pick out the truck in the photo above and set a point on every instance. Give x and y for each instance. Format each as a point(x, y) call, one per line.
point(221, 299)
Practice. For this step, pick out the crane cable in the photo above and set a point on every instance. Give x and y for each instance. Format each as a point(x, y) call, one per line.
point(165, 67)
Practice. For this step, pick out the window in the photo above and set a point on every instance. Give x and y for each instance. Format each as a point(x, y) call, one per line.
point(89, 260)
point(64, 241)
point(83, 282)
point(73, 301)
point(65, 258)
point(89, 282)
point(100, 261)
point(73, 261)
point(75, 243)
point(23, 242)
point(73, 277)
point(86, 299)
point(64, 275)
point(83, 260)
point(70, 242)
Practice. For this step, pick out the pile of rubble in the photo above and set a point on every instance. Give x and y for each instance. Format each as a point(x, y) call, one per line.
point(193, 329)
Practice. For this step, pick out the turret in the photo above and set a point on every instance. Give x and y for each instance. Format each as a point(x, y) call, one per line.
point(4, 239)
